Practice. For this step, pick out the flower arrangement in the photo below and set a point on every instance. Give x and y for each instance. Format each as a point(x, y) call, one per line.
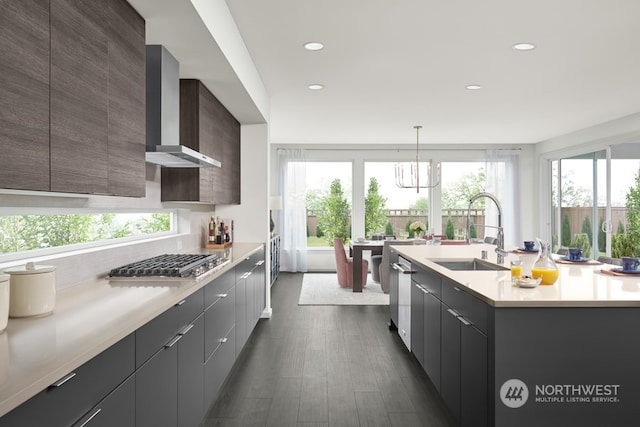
point(418, 227)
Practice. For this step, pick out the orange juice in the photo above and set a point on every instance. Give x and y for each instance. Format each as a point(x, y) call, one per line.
point(549, 275)
point(516, 271)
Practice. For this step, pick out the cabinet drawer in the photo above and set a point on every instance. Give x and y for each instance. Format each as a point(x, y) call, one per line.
point(152, 336)
point(117, 409)
point(64, 402)
point(428, 280)
point(247, 265)
point(218, 319)
point(465, 304)
point(219, 286)
point(218, 367)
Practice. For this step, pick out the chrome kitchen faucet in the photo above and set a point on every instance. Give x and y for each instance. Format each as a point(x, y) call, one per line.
point(500, 243)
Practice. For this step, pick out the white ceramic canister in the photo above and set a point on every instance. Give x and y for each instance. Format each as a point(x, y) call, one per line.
point(33, 290)
point(4, 301)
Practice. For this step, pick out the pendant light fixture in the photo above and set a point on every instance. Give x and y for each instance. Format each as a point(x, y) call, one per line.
point(408, 174)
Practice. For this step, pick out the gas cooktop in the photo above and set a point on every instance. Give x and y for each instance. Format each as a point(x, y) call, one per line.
point(169, 266)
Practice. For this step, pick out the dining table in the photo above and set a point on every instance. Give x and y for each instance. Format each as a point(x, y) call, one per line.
point(356, 248)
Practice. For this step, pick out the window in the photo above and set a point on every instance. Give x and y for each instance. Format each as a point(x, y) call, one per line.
point(23, 233)
point(328, 201)
point(461, 181)
point(401, 206)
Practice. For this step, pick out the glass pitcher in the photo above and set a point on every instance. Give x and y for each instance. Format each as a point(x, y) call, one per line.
point(544, 266)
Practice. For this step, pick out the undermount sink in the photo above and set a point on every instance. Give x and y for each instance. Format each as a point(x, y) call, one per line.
point(469, 264)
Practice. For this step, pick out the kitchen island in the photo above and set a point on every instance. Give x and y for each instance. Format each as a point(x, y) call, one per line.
point(98, 316)
point(501, 355)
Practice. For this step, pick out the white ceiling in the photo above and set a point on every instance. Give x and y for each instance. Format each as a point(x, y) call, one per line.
point(390, 65)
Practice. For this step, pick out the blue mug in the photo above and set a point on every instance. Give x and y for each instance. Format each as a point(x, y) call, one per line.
point(529, 245)
point(630, 263)
point(575, 254)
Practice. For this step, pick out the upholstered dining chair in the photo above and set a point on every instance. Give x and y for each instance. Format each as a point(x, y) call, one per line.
point(344, 266)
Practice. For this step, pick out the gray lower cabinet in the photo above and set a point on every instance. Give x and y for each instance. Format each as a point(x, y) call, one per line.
point(157, 389)
point(191, 403)
point(432, 336)
point(464, 355)
point(218, 366)
point(117, 409)
point(394, 279)
point(450, 362)
point(250, 296)
point(449, 338)
point(417, 321)
point(241, 308)
point(220, 334)
point(170, 338)
point(75, 394)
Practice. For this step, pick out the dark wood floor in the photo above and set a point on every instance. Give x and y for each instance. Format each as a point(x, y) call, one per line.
point(325, 366)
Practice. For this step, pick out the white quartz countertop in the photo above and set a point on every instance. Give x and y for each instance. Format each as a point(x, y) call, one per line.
point(578, 284)
point(87, 319)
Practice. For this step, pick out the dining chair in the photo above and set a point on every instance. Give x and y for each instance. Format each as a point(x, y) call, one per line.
point(344, 266)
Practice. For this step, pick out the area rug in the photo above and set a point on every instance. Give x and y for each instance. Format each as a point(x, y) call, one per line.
point(323, 289)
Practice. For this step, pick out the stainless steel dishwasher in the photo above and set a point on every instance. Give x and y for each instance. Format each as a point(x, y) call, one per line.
point(403, 267)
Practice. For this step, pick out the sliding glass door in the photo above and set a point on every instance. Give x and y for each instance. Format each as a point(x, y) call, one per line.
point(589, 196)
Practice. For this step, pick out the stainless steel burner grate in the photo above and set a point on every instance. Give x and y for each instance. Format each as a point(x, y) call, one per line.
point(169, 265)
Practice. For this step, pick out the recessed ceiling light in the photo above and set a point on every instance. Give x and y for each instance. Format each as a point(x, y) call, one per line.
point(313, 45)
point(524, 46)
point(315, 86)
point(473, 87)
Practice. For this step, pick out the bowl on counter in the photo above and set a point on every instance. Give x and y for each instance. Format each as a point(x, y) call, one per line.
point(32, 290)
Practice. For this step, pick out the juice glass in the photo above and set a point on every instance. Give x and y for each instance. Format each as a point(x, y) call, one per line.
point(516, 270)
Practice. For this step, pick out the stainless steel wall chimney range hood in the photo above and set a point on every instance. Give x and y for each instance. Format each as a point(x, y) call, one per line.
point(163, 115)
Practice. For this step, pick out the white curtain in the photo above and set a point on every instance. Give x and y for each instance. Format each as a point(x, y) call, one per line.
point(503, 180)
point(292, 223)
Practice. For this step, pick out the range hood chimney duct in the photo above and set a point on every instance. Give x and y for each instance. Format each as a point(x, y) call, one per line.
point(163, 115)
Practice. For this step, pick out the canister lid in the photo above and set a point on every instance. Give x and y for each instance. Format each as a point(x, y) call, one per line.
point(31, 268)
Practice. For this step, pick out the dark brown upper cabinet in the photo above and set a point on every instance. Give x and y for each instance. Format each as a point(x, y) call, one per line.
point(79, 97)
point(126, 101)
point(205, 126)
point(74, 71)
point(24, 94)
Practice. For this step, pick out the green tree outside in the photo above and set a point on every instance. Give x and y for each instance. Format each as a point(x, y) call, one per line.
point(375, 209)
point(586, 229)
point(602, 237)
point(566, 232)
point(334, 217)
point(388, 229)
point(450, 231)
point(29, 232)
point(633, 213)
point(457, 195)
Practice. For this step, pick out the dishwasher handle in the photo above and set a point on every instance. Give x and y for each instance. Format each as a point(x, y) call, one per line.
point(402, 269)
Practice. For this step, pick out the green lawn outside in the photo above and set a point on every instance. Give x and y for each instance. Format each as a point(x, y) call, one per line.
point(313, 241)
